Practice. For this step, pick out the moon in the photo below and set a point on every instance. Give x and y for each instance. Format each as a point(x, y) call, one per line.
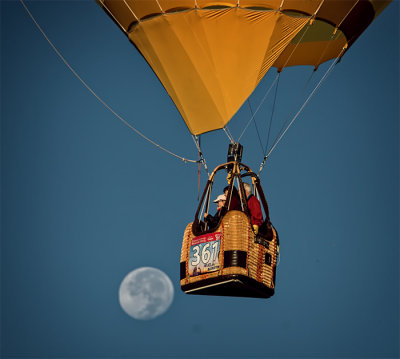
point(145, 293)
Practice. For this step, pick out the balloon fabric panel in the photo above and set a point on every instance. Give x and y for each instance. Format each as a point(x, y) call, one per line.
point(210, 55)
point(210, 61)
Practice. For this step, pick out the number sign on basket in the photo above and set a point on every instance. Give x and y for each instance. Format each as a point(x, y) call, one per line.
point(204, 254)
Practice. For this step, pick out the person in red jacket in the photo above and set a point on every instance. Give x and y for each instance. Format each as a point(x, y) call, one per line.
point(235, 199)
point(254, 208)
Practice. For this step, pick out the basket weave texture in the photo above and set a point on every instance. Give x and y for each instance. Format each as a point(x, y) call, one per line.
point(236, 235)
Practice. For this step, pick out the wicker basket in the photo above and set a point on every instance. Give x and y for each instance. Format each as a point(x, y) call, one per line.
point(232, 260)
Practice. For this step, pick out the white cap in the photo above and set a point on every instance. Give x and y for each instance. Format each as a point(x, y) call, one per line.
point(221, 197)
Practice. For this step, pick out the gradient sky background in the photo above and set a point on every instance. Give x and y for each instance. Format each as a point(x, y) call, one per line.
point(85, 200)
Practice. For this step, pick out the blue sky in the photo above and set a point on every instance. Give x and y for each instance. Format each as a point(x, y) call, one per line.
point(85, 200)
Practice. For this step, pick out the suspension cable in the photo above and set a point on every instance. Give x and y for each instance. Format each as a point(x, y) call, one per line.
point(301, 109)
point(272, 115)
point(228, 134)
point(280, 135)
point(262, 101)
point(98, 97)
point(301, 93)
point(202, 159)
point(227, 128)
point(311, 18)
point(255, 125)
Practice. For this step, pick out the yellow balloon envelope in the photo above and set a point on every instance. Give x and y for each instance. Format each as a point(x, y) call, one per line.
point(211, 55)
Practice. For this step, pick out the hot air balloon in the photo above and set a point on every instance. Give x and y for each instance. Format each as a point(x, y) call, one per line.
point(210, 56)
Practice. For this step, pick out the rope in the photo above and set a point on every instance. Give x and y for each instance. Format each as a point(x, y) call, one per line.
point(348, 13)
point(203, 206)
point(130, 9)
point(317, 86)
point(335, 31)
point(227, 128)
point(301, 108)
point(202, 159)
point(199, 173)
point(272, 115)
point(160, 6)
point(114, 18)
point(95, 95)
point(262, 101)
point(255, 124)
point(229, 135)
point(294, 105)
point(308, 26)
